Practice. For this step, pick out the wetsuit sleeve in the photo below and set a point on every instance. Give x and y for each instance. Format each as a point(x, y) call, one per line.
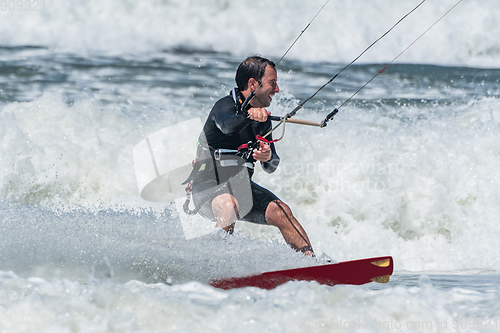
point(271, 165)
point(226, 118)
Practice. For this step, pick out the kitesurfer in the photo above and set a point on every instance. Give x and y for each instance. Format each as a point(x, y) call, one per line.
point(229, 147)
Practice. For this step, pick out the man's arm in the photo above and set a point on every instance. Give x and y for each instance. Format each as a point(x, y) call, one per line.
point(226, 117)
point(271, 165)
point(267, 156)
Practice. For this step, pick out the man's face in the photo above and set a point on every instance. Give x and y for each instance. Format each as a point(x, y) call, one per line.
point(263, 96)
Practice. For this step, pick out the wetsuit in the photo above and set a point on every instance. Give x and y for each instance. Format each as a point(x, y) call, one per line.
point(222, 171)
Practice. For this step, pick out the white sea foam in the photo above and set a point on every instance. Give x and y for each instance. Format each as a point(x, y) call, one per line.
point(100, 306)
point(421, 179)
point(466, 37)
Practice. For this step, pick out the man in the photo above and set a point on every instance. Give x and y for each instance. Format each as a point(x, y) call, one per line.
point(227, 151)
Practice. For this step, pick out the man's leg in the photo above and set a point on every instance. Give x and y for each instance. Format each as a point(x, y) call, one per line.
point(225, 209)
point(280, 215)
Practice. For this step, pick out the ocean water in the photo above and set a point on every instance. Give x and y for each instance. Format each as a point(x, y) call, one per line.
point(409, 168)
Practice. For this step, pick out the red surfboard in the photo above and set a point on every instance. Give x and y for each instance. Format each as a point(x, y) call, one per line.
point(354, 272)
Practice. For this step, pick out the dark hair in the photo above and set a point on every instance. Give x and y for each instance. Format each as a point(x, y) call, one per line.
point(252, 67)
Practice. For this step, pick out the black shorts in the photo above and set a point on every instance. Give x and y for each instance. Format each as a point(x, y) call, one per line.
point(252, 200)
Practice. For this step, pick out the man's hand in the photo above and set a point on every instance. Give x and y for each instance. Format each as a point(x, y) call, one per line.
point(258, 114)
point(262, 154)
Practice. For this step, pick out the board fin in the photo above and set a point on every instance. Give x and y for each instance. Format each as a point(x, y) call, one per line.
point(382, 279)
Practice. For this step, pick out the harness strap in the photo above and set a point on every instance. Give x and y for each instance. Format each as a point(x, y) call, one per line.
point(188, 211)
point(196, 167)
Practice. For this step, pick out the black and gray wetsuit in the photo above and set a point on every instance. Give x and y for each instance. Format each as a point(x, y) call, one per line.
point(221, 171)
